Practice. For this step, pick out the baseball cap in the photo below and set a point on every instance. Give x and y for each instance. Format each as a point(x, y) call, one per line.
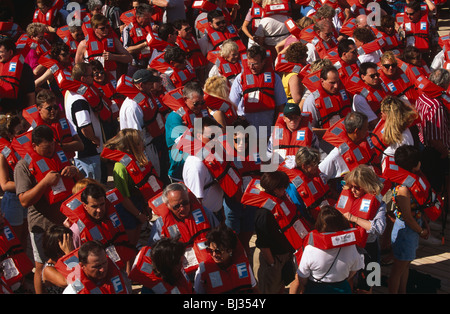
point(291, 108)
point(142, 76)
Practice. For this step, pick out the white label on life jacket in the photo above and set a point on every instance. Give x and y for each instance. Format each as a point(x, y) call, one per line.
point(191, 259)
point(233, 176)
point(112, 253)
point(58, 187)
point(300, 229)
point(153, 183)
point(343, 239)
point(9, 268)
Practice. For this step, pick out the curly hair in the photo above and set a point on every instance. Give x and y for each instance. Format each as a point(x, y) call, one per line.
point(296, 52)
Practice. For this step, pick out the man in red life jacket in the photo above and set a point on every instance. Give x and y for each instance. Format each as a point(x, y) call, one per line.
point(329, 102)
point(47, 175)
point(17, 87)
point(368, 92)
point(217, 32)
point(97, 273)
point(181, 214)
point(102, 45)
point(47, 13)
point(324, 39)
point(50, 113)
point(347, 63)
point(362, 37)
point(335, 165)
point(134, 38)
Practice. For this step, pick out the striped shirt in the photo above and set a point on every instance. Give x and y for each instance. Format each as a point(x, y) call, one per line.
point(435, 120)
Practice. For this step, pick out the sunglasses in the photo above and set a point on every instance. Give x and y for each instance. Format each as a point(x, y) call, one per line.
point(357, 188)
point(211, 251)
point(374, 75)
point(50, 108)
point(239, 140)
point(183, 203)
point(387, 66)
point(99, 73)
point(198, 103)
point(410, 13)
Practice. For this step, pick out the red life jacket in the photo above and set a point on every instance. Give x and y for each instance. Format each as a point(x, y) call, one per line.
point(294, 227)
point(417, 34)
point(216, 103)
point(61, 130)
point(348, 27)
point(217, 38)
point(192, 230)
point(235, 279)
point(144, 178)
point(392, 42)
point(323, 47)
point(345, 71)
point(92, 95)
point(418, 186)
point(353, 154)
point(110, 231)
point(273, 9)
point(64, 33)
point(53, 64)
point(314, 191)
point(174, 100)
point(284, 66)
point(365, 207)
point(374, 96)
point(13, 257)
point(287, 143)
point(95, 47)
point(153, 120)
point(142, 272)
point(69, 266)
point(225, 68)
point(11, 30)
point(418, 75)
point(258, 90)
point(331, 240)
point(178, 77)
point(193, 52)
point(357, 9)
point(128, 16)
point(113, 99)
point(221, 170)
point(39, 166)
point(40, 48)
point(400, 86)
point(256, 15)
point(327, 104)
point(10, 73)
point(8, 152)
point(49, 17)
point(138, 35)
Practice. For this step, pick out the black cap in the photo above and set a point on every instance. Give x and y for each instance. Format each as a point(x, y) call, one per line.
point(291, 108)
point(142, 76)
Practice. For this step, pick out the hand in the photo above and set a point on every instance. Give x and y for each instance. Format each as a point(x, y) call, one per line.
point(425, 233)
point(51, 178)
point(69, 171)
point(107, 55)
point(66, 245)
point(96, 141)
point(347, 215)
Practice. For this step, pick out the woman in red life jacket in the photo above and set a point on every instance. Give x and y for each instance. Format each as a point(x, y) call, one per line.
point(227, 61)
point(37, 42)
point(329, 270)
point(227, 268)
point(251, 21)
point(296, 53)
point(10, 205)
point(410, 224)
point(167, 274)
point(393, 129)
point(366, 211)
point(133, 210)
point(216, 92)
point(57, 242)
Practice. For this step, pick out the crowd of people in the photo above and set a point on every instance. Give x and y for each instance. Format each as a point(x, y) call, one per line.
point(313, 127)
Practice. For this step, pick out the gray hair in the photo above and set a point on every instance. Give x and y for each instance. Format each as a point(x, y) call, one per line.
point(93, 4)
point(354, 120)
point(228, 47)
point(307, 156)
point(171, 188)
point(440, 77)
point(192, 87)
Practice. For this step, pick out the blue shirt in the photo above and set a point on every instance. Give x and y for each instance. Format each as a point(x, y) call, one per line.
point(174, 129)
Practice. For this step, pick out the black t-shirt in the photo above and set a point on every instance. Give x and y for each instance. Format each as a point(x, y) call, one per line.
point(269, 234)
point(89, 148)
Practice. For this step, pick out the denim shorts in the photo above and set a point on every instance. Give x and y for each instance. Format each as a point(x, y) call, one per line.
point(12, 210)
point(405, 241)
point(238, 217)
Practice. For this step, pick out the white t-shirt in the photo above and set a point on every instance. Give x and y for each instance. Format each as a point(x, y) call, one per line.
point(273, 29)
point(316, 262)
point(196, 176)
point(360, 104)
point(333, 166)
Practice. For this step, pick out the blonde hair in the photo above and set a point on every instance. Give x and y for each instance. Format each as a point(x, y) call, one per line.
point(364, 177)
point(268, 2)
point(217, 86)
point(129, 141)
point(320, 64)
point(388, 56)
point(228, 47)
point(81, 184)
point(34, 29)
point(399, 116)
